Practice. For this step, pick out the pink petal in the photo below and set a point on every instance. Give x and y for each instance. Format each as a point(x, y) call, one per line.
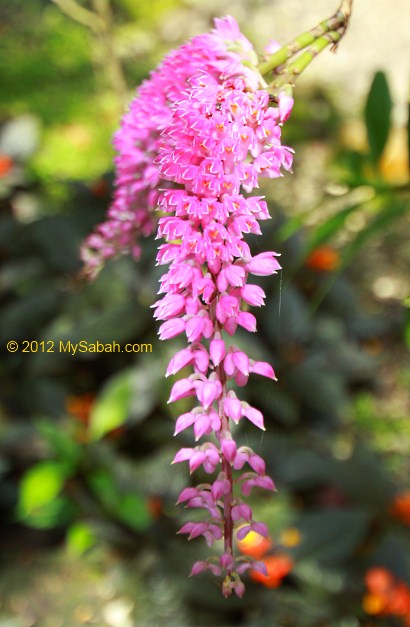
point(183, 422)
point(247, 321)
point(179, 361)
point(264, 369)
point(241, 361)
point(217, 351)
point(255, 416)
point(171, 328)
point(181, 389)
point(228, 449)
point(183, 455)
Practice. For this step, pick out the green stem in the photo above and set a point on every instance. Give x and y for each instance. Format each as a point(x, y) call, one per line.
point(291, 71)
point(336, 23)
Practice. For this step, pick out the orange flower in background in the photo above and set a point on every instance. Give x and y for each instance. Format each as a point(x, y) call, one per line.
point(80, 406)
point(99, 188)
point(278, 566)
point(324, 259)
point(379, 580)
point(400, 507)
point(254, 545)
point(154, 505)
point(290, 537)
point(6, 164)
point(386, 594)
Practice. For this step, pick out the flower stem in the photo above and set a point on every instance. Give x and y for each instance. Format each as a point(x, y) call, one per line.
point(224, 433)
point(227, 470)
point(336, 23)
point(294, 69)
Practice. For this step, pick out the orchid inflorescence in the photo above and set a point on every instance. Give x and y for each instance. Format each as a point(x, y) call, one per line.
point(222, 136)
point(202, 131)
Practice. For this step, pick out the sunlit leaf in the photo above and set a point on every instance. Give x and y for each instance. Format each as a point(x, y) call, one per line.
point(40, 485)
point(80, 538)
point(112, 407)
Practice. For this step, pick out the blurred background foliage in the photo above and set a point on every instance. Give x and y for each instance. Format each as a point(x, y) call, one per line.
point(87, 497)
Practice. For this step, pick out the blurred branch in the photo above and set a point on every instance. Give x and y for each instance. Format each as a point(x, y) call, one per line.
point(100, 22)
point(80, 14)
point(102, 9)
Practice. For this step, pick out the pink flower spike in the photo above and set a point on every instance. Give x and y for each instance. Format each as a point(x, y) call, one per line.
point(229, 366)
point(186, 494)
point(198, 567)
point(245, 566)
point(198, 529)
point(204, 124)
point(241, 458)
point(208, 391)
point(241, 511)
point(241, 361)
point(273, 46)
point(243, 532)
point(194, 328)
point(260, 482)
point(201, 359)
point(220, 487)
point(179, 361)
point(260, 528)
point(262, 368)
point(183, 455)
point(228, 448)
point(212, 458)
point(217, 351)
point(201, 426)
point(255, 416)
point(183, 422)
point(257, 464)
point(215, 570)
point(197, 458)
point(263, 264)
point(259, 567)
point(253, 295)
point(241, 379)
point(171, 305)
point(247, 321)
point(233, 408)
point(226, 561)
point(285, 106)
point(181, 389)
point(171, 328)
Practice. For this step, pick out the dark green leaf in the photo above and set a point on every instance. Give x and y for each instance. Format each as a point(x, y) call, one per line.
point(377, 115)
point(332, 536)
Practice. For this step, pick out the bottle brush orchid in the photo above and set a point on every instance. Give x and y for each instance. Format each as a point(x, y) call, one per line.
point(202, 131)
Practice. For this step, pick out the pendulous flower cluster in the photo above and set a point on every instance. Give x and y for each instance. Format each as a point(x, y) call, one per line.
point(224, 133)
point(220, 53)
